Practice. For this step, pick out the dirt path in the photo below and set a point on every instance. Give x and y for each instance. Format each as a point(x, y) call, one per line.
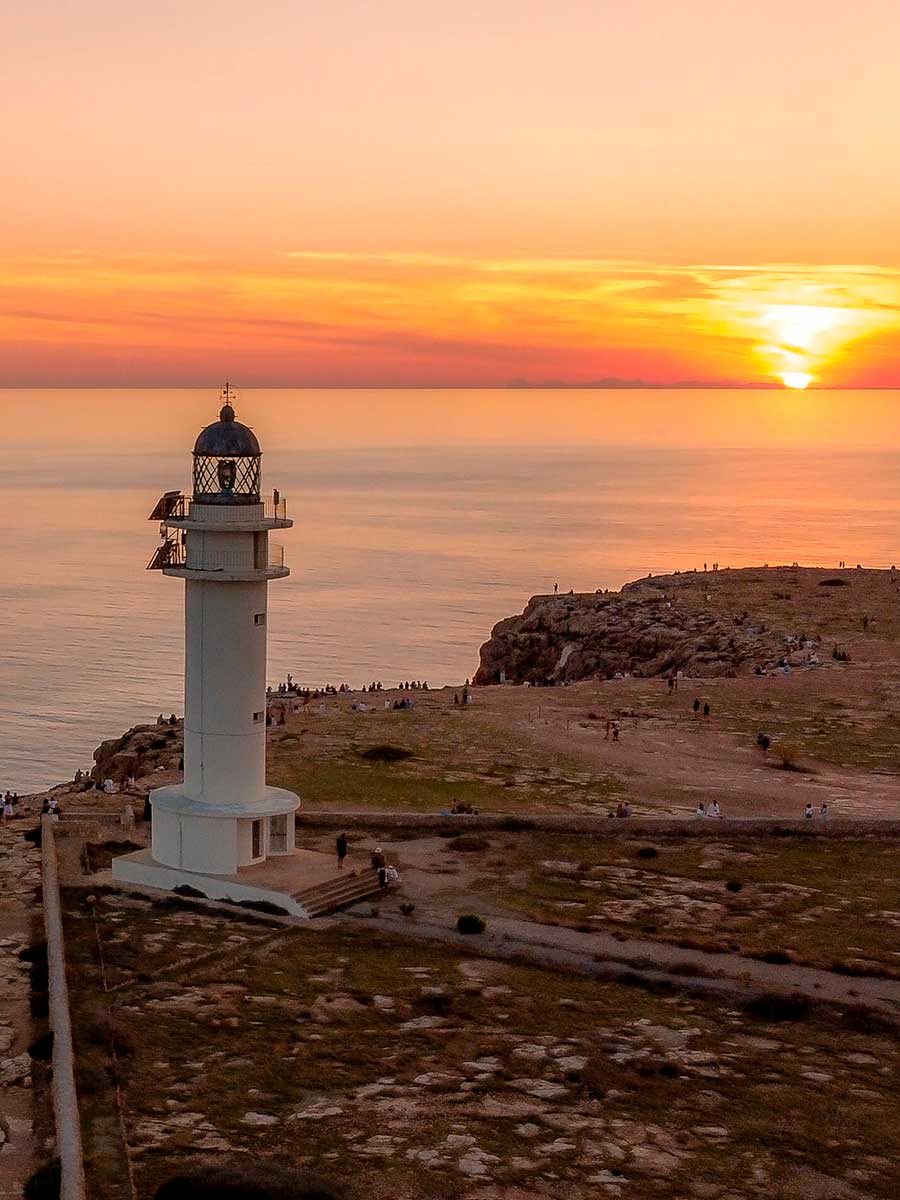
point(506, 937)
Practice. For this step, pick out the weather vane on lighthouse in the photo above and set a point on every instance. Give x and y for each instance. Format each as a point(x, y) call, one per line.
point(223, 817)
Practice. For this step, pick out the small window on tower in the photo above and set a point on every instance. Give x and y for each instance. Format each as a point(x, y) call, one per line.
point(259, 619)
point(257, 718)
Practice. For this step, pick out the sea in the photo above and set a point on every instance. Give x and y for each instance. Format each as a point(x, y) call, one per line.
point(420, 520)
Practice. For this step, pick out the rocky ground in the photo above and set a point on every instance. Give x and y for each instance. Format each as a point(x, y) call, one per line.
point(828, 903)
point(414, 1068)
point(23, 1132)
point(426, 1071)
point(704, 624)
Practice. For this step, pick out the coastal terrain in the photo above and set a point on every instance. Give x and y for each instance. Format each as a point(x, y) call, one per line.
point(650, 1000)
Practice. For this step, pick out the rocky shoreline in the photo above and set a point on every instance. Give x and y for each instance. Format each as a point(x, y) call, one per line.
point(700, 624)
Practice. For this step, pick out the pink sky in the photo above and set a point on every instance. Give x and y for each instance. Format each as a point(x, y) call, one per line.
point(401, 193)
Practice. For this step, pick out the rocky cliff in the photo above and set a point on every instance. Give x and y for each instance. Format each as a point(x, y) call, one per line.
point(143, 750)
point(697, 623)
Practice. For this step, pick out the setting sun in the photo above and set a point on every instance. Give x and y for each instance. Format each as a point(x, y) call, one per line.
point(798, 380)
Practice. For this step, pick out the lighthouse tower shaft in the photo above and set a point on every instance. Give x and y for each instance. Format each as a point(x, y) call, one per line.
point(225, 691)
point(223, 816)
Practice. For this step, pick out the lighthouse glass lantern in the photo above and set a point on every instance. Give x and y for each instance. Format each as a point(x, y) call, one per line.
point(227, 461)
point(223, 818)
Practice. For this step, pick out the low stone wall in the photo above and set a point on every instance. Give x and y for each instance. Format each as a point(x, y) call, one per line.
point(438, 823)
point(65, 1096)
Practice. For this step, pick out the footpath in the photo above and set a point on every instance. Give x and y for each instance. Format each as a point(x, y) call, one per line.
point(605, 955)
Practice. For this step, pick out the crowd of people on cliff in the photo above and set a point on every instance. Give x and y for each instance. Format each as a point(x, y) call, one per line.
point(291, 688)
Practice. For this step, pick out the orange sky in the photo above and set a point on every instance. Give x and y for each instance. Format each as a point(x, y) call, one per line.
point(390, 193)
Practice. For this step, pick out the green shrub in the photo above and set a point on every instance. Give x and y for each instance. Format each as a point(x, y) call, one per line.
point(468, 843)
point(384, 752)
point(863, 1020)
point(45, 1183)
point(470, 923)
point(263, 906)
point(779, 958)
point(772, 1006)
point(34, 953)
point(41, 1049)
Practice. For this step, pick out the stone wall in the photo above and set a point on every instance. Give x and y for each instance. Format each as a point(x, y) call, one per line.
point(65, 1097)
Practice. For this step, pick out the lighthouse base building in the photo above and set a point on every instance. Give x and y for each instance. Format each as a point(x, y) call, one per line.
point(222, 831)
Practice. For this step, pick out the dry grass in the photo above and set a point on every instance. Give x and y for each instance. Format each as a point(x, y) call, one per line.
point(809, 899)
point(304, 1023)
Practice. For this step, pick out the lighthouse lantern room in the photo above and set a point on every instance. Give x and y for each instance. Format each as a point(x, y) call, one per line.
point(223, 817)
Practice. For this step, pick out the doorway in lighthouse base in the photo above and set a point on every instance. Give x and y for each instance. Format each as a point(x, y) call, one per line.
point(278, 834)
point(256, 842)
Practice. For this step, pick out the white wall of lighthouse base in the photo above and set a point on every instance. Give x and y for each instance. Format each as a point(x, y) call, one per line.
point(218, 839)
point(140, 870)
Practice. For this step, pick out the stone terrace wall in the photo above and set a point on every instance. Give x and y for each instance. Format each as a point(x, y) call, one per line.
point(438, 823)
point(65, 1098)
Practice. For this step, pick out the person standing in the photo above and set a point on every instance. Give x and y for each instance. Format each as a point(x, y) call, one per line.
point(341, 846)
point(706, 711)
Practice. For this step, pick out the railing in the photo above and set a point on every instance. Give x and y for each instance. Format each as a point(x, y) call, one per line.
point(169, 554)
point(172, 554)
point(275, 507)
point(170, 504)
point(176, 506)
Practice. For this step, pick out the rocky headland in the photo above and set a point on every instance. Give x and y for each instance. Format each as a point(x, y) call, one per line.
point(703, 624)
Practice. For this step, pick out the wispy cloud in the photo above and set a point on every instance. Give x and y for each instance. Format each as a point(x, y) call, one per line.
point(488, 319)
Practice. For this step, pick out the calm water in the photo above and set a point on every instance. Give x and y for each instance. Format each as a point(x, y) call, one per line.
point(403, 557)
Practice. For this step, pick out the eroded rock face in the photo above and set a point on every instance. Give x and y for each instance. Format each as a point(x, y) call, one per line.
point(141, 751)
point(647, 629)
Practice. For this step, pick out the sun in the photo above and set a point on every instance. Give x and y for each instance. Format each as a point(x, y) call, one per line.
point(798, 380)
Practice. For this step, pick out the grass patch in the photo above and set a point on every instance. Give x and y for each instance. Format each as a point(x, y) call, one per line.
point(469, 843)
point(775, 1007)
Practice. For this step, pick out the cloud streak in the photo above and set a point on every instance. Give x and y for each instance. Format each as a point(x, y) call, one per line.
point(390, 319)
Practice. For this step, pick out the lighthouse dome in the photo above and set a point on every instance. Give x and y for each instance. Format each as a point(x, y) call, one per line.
point(227, 438)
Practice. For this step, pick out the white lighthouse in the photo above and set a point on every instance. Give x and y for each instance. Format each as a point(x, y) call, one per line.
point(223, 817)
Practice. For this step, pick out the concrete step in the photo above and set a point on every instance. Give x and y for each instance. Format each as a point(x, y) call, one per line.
point(337, 893)
point(338, 883)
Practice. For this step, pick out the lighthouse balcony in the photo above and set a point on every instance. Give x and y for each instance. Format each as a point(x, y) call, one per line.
point(227, 566)
point(177, 511)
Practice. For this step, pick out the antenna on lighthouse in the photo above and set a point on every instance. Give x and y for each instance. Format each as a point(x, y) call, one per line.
point(228, 395)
